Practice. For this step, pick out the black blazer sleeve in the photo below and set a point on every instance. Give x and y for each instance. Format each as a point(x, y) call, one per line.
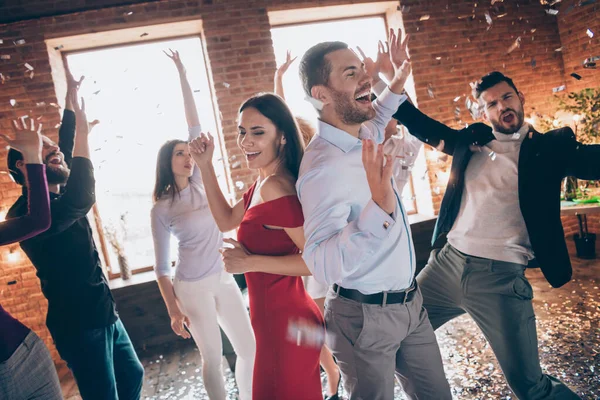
point(581, 160)
point(427, 129)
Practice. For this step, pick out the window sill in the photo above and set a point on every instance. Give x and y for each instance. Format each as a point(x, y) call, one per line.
point(136, 279)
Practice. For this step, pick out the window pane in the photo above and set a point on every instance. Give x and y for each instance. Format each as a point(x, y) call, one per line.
point(135, 93)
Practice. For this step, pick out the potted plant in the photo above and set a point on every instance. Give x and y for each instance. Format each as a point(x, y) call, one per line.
point(116, 233)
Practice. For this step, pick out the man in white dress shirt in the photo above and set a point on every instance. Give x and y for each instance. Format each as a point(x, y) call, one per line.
point(357, 232)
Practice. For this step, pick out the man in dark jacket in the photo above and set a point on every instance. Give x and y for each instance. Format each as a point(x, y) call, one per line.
point(501, 214)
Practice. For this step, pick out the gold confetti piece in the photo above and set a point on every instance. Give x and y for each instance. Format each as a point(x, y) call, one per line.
point(28, 66)
point(5, 57)
point(514, 46)
point(424, 18)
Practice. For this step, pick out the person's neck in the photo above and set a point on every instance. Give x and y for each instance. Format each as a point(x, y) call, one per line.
point(54, 188)
point(331, 118)
point(182, 182)
point(271, 169)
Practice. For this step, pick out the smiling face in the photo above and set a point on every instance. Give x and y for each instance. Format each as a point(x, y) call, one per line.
point(503, 108)
point(258, 139)
point(349, 87)
point(57, 171)
point(182, 163)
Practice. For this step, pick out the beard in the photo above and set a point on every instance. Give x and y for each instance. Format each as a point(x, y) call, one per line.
point(56, 174)
point(345, 107)
point(520, 118)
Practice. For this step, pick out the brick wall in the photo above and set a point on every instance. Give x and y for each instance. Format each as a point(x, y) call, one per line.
point(242, 62)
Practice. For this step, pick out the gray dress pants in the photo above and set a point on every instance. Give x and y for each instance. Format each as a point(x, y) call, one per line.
point(372, 342)
point(497, 296)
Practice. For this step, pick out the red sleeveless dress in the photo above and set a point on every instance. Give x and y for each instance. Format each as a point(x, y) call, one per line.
point(282, 370)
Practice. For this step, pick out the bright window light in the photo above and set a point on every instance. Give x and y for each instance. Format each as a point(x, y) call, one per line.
point(356, 32)
point(135, 93)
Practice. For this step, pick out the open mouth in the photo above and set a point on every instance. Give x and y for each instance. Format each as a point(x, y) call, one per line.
point(364, 97)
point(508, 117)
point(55, 161)
point(252, 155)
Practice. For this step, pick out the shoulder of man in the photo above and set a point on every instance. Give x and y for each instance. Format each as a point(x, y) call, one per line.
point(560, 134)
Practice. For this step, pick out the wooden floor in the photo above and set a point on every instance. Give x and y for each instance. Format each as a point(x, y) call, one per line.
point(568, 332)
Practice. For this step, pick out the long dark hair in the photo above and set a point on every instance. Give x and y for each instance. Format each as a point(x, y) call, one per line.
point(165, 179)
point(274, 108)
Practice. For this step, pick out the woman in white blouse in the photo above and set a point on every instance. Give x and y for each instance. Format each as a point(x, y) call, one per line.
point(202, 295)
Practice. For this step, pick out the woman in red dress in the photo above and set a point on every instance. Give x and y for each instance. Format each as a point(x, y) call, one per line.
point(286, 321)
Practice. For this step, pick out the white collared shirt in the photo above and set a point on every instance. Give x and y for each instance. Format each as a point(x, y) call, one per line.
point(350, 240)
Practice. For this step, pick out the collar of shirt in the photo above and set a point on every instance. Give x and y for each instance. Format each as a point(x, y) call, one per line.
point(340, 138)
point(517, 136)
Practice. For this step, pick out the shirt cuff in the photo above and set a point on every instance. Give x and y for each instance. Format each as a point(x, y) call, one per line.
point(194, 132)
point(391, 100)
point(379, 87)
point(374, 220)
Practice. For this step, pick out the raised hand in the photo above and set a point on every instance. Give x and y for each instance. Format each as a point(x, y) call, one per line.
point(379, 176)
point(398, 49)
point(81, 122)
point(235, 259)
point(284, 67)
point(176, 59)
point(178, 323)
point(73, 86)
point(372, 68)
point(27, 140)
point(383, 59)
point(202, 149)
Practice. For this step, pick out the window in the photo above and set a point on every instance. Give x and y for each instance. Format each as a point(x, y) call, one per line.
point(134, 91)
point(297, 38)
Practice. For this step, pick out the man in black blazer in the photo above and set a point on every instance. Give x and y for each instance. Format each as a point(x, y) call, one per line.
point(501, 214)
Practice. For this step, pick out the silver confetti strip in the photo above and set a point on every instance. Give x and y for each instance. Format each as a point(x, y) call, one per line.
point(558, 89)
point(514, 46)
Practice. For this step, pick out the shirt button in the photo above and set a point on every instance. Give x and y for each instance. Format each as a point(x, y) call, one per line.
point(386, 225)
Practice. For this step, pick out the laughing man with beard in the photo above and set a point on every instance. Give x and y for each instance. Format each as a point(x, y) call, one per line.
point(82, 317)
point(501, 214)
point(357, 232)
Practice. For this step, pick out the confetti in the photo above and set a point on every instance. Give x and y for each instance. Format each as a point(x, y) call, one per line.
point(13, 102)
point(31, 74)
point(226, 84)
point(576, 76)
point(514, 46)
point(430, 90)
point(19, 42)
point(558, 89)
point(497, 1)
point(424, 18)
point(5, 57)
point(473, 107)
point(457, 98)
point(40, 104)
point(437, 190)
point(559, 49)
point(492, 155)
point(1, 41)
point(488, 19)
point(197, 91)
point(2, 78)
point(590, 33)
point(144, 34)
point(239, 185)
point(516, 136)
point(59, 47)
point(591, 62)
point(551, 11)
point(96, 92)
point(128, 13)
point(236, 165)
point(28, 66)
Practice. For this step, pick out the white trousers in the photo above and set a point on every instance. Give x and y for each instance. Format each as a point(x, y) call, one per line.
point(210, 302)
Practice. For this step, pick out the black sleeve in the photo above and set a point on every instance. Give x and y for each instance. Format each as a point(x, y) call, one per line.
point(76, 200)
point(582, 160)
point(66, 136)
point(426, 129)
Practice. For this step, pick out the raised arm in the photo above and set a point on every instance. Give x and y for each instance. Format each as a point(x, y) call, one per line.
point(66, 133)
point(189, 104)
point(281, 72)
point(79, 194)
point(37, 220)
point(226, 217)
point(191, 112)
